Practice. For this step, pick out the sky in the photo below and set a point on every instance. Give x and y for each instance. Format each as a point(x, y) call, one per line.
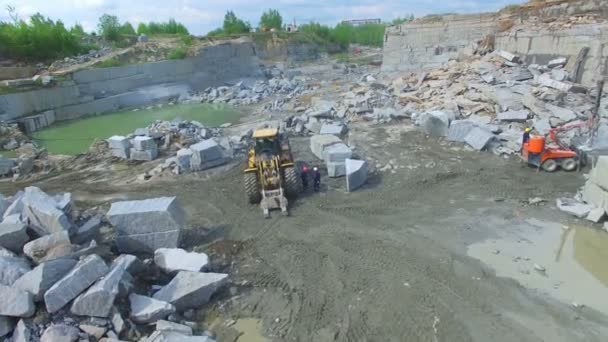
point(201, 16)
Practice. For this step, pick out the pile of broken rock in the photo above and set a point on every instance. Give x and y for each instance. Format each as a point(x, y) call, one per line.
point(592, 201)
point(59, 282)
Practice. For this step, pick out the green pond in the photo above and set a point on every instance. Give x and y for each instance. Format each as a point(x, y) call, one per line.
point(75, 136)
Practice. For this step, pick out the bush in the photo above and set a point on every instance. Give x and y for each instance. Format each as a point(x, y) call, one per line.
point(234, 25)
point(177, 53)
point(187, 40)
point(271, 19)
point(127, 29)
point(345, 34)
point(39, 39)
point(170, 27)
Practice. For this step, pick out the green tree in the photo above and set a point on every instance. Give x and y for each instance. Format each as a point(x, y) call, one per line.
point(234, 25)
point(127, 29)
point(271, 19)
point(77, 30)
point(142, 28)
point(109, 27)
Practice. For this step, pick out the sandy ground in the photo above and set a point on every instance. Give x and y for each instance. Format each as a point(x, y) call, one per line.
point(441, 247)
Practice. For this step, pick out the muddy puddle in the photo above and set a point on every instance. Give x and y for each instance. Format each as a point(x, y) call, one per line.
point(75, 136)
point(250, 330)
point(565, 261)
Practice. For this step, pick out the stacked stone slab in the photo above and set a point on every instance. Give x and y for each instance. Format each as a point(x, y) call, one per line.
point(144, 149)
point(120, 146)
point(595, 191)
point(333, 151)
point(205, 155)
point(43, 213)
point(146, 225)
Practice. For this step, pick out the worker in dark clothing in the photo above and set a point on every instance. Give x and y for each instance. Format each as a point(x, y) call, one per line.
point(304, 175)
point(526, 135)
point(317, 178)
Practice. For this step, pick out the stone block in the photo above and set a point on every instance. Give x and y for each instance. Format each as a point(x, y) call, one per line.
point(177, 259)
point(16, 303)
point(332, 128)
point(335, 170)
point(513, 116)
point(459, 129)
point(88, 231)
point(6, 166)
point(13, 236)
point(436, 123)
point(508, 56)
point(4, 204)
point(42, 212)
point(146, 225)
point(130, 263)
point(7, 324)
point(599, 174)
point(37, 249)
point(561, 61)
point(573, 207)
point(478, 138)
point(12, 268)
point(189, 290)
point(145, 309)
point(22, 332)
point(595, 195)
point(596, 215)
point(174, 336)
point(142, 143)
point(546, 81)
point(563, 114)
point(318, 144)
point(93, 330)
point(85, 273)
point(204, 153)
point(542, 126)
point(163, 325)
point(183, 158)
point(146, 155)
point(42, 277)
point(98, 300)
point(337, 153)
point(6, 253)
point(119, 142)
point(122, 152)
point(60, 332)
point(356, 174)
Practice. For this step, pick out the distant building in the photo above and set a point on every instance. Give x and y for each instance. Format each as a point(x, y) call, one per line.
point(359, 22)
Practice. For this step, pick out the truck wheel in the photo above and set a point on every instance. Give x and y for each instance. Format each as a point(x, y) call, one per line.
point(293, 183)
point(569, 164)
point(549, 165)
point(252, 188)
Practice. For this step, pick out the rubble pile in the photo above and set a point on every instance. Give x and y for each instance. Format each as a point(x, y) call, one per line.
point(83, 58)
point(248, 92)
point(12, 139)
point(592, 201)
point(60, 282)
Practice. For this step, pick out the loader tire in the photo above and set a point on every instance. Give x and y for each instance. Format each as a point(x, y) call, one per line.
point(293, 183)
point(252, 188)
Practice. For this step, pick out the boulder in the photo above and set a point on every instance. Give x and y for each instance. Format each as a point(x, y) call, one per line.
point(13, 236)
point(22, 332)
point(142, 143)
point(573, 207)
point(459, 129)
point(98, 300)
point(435, 123)
point(42, 277)
point(163, 325)
point(130, 263)
point(146, 155)
point(93, 330)
point(88, 231)
point(118, 323)
point(16, 303)
point(513, 116)
point(177, 259)
point(318, 144)
point(147, 225)
point(478, 138)
point(60, 333)
point(145, 309)
point(119, 142)
point(12, 268)
point(190, 290)
point(37, 249)
point(42, 212)
point(356, 174)
point(332, 128)
point(7, 324)
point(85, 273)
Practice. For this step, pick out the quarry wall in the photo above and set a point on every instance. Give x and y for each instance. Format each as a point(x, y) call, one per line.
point(95, 91)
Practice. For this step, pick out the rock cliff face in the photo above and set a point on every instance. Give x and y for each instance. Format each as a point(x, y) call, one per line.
point(538, 31)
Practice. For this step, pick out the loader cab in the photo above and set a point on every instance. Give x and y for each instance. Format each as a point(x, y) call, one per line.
point(266, 141)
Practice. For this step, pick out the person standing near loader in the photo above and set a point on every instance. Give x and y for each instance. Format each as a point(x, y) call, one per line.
point(317, 178)
point(304, 175)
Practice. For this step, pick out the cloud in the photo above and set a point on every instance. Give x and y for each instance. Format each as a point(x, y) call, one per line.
point(201, 16)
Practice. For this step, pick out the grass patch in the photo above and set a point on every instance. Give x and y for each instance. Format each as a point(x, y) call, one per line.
point(177, 53)
point(110, 63)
